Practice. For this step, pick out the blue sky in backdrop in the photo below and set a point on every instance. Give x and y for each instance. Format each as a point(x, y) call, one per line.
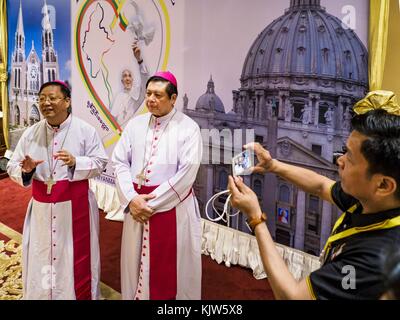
point(32, 15)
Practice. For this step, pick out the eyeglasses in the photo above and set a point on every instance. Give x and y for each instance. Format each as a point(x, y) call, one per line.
point(43, 99)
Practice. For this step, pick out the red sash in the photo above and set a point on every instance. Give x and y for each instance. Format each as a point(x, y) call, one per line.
point(77, 193)
point(163, 251)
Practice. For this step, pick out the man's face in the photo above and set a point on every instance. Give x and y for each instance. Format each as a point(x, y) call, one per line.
point(353, 168)
point(157, 100)
point(127, 79)
point(53, 105)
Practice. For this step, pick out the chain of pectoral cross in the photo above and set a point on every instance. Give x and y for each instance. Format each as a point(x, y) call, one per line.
point(142, 174)
point(50, 182)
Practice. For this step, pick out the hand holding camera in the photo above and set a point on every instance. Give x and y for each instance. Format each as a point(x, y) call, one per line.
point(265, 161)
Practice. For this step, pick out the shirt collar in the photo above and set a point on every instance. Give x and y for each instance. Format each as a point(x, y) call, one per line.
point(359, 219)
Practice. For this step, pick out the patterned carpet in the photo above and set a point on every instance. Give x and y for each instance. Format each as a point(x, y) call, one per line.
point(10, 270)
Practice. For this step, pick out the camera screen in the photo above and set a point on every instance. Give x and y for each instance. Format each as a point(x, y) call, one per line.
point(242, 163)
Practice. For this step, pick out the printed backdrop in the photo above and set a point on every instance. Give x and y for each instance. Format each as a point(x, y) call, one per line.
point(196, 40)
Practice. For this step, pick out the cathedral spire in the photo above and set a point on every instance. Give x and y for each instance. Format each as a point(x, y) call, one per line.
point(49, 55)
point(20, 26)
point(46, 21)
point(19, 48)
point(47, 36)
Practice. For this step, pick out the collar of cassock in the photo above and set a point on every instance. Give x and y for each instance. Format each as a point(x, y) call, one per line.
point(166, 118)
point(61, 126)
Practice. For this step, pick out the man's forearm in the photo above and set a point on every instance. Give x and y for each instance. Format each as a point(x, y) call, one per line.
point(305, 179)
point(282, 282)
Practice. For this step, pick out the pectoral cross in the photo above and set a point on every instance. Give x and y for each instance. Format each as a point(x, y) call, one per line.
point(49, 182)
point(141, 177)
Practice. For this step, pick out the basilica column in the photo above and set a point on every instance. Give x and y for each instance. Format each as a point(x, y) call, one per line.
point(300, 220)
point(315, 98)
point(260, 104)
point(325, 223)
point(283, 98)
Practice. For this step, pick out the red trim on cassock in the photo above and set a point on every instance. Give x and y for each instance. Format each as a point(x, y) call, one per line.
point(77, 193)
point(163, 252)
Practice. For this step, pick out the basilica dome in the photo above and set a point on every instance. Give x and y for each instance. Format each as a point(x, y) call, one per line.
point(309, 42)
point(209, 101)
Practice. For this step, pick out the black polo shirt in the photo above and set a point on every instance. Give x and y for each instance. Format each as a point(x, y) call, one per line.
point(353, 268)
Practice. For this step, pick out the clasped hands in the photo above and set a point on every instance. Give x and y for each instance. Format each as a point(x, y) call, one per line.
point(139, 209)
point(28, 164)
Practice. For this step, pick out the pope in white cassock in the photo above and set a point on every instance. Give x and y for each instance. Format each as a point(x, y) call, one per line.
point(128, 101)
point(156, 162)
point(57, 156)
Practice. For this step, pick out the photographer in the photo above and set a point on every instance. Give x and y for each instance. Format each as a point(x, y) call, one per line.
point(368, 194)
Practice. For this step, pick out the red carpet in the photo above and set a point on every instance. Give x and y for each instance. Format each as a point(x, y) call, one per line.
point(218, 283)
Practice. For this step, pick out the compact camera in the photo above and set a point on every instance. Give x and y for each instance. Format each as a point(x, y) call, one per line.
point(242, 163)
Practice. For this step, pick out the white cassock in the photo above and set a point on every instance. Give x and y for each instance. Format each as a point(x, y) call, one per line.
point(162, 258)
point(60, 254)
point(127, 102)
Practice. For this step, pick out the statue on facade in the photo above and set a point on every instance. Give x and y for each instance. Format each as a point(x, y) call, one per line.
point(251, 109)
point(329, 117)
point(269, 109)
point(289, 112)
point(306, 114)
point(347, 119)
point(185, 101)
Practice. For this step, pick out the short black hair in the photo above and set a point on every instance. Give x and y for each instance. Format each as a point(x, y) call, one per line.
point(382, 147)
point(171, 89)
point(63, 87)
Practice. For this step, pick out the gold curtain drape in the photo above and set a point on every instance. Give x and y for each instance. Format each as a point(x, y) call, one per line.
point(3, 67)
point(392, 63)
point(378, 38)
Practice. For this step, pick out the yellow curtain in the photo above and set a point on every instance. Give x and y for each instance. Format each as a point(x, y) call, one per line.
point(3, 67)
point(378, 37)
point(392, 65)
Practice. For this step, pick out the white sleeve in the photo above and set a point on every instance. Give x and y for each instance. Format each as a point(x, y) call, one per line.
point(14, 170)
point(122, 160)
point(170, 193)
point(93, 160)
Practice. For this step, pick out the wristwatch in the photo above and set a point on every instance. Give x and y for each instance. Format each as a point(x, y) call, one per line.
point(253, 223)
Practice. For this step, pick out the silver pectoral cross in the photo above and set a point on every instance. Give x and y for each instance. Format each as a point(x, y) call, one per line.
point(49, 182)
point(141, 177)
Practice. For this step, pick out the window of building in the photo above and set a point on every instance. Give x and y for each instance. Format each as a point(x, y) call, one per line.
point(17, 115)
point(259, 139)
point(284, 194)
point(313, 215)
point(317, 149)
point(283, 237)
point(313, 204)
point(321, 117)
point(297, 111)
point(223, 180)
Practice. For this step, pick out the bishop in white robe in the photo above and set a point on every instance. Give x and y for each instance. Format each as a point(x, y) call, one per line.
point(60, 253)
point(159, 154)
